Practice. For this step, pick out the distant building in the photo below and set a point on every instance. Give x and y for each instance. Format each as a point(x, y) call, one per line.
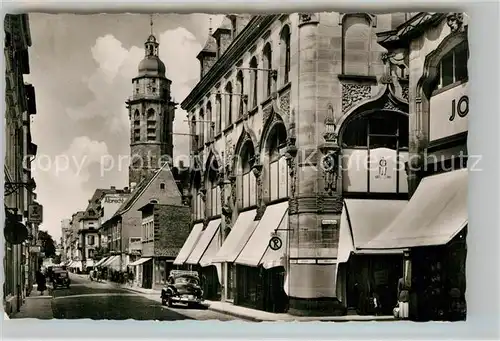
point(164, 231)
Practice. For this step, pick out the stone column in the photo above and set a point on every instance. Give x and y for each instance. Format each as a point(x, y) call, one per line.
point(312, 271)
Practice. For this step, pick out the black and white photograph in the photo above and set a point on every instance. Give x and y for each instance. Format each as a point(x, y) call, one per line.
point(270, 167)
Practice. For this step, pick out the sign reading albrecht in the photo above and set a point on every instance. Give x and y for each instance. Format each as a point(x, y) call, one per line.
point(35, 213)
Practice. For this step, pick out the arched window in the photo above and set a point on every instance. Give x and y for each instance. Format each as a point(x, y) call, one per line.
point(240, 89)
point(137, 126)
point(151, 125)
point(374, 151)
point(229, 106)
point(379, 129)
point(194, 141)
point(213, 190)
point(210, 123)
point(247, 184)
point(452, 68)
point(285, 54)
point(218, 107)
point(201, 125)
point(268, 65)
point(254, 79)
point(356, 45)
point(277, 167)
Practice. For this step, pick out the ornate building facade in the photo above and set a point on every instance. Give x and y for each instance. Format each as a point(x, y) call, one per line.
point(289, 115)
point(432, 228)
point(20, 231)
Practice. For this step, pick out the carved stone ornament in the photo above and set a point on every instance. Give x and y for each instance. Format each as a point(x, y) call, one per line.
point(405, 90)
point(353, 94)
point(396, 65)
point(389, 105)
point(285, 103)
point(455, 22)
point(229, 153)
point(267, 111)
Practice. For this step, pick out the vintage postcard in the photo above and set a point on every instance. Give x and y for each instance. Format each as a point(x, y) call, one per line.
point(277, 167)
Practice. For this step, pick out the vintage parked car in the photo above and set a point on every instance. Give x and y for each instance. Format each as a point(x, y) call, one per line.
point(183, 287)
point(60, 278)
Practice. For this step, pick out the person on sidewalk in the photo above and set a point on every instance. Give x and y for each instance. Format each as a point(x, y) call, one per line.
point(403, 300)
point(40, 281)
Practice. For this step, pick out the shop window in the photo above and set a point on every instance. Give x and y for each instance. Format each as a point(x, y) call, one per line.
point(254, 80)
point(268, 65)
point(453, 66)
point(277, 168)
point(285, 52)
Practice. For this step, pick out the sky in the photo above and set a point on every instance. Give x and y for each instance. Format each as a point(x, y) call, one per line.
point(81, 68)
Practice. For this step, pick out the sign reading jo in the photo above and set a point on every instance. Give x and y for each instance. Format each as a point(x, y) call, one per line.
point(448, 112)
point(461, 108)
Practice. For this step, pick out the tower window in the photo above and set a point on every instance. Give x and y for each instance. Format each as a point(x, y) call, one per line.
point(162, 186)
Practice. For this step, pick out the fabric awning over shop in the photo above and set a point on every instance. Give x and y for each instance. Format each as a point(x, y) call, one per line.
point(189, 244)
point(139, 261)
point(89, 263)
point(256, 247)
point(203, 242)
point(435, 214)
point(99, 263)
point(361, 221)
point(212, 249)
point(113, 262)
point(237, 238)
point(69, 264)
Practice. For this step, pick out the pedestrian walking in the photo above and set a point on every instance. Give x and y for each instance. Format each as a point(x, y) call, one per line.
point(40, 281)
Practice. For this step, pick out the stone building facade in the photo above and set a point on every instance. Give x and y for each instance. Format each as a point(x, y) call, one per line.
point(433, 226)
point(20, 233)
point(268, 119)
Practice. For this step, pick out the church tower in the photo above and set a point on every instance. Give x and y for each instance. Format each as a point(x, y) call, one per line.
point(151, 115)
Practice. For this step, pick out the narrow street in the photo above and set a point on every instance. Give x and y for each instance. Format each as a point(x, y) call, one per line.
point(87, 299)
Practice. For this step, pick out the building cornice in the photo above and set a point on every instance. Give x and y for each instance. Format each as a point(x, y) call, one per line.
point(236, 49)
point(404, 33)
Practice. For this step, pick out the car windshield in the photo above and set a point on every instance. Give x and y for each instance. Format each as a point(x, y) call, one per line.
point(186, 280)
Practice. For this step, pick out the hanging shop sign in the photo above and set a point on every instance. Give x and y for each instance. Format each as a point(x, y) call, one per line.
point(449, 112)
point(35, 213)
point(275, 243)
point(14, 231)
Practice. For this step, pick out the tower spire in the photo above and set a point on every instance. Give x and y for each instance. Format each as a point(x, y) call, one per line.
point(151, 22)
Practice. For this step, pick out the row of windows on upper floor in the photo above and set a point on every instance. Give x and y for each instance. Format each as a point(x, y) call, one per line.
point(151, 126)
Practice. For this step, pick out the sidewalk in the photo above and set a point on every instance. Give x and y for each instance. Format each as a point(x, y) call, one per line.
point(263, 316)
point(36, 306)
